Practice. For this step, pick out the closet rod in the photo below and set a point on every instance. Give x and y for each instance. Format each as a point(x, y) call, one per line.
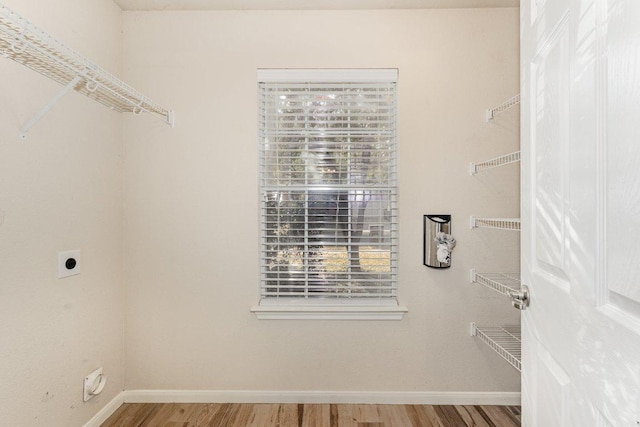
point(30, 46)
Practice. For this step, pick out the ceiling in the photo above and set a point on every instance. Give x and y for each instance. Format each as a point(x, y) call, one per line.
point(308, 4)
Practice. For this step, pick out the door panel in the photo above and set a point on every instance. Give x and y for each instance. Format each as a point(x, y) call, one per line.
point(623, 153)
point(580, 104)
point(553, 391)
point(550, 131)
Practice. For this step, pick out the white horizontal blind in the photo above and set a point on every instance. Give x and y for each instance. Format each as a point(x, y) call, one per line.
point(328, 185)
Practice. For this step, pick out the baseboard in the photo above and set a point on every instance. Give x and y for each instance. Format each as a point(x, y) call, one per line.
point(106, 411)
point(344, 397)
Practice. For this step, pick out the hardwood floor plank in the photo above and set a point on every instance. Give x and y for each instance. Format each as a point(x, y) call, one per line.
point(419, 417)
point(193, 413)
point(473, 417)
point(160, 415)
point(356, 415)
point(449, 416)
point(242, 416)
point(288, 415)
point(138, 415)
point(263, 414)
point(230, 415)
point(123, 412)
point(500, 417)
point(333, 417)
point(183, 412)
point(345, 416)
point(316, 416)
point(218, 417)
point(430, 411)
point(206, 413)
point(367, 414)
point(515, 412)
point(156, 407)
point(394, 415)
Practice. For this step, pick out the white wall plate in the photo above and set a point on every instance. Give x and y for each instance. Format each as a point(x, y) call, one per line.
point(68, 263)
point(93, 384)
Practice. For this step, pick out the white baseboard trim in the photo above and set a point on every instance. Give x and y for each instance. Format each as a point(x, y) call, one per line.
point(106, 412)
point(345, 397)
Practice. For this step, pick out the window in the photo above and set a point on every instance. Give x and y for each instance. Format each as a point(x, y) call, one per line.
point(328, 189)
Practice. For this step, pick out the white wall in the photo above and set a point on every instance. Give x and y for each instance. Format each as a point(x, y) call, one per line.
point(191, 200)
point(60, 189)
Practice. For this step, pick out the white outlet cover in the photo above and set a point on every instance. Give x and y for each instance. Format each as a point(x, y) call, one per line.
point(68, 263)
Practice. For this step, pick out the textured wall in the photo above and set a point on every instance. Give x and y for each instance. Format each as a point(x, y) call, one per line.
point(60, 189)
point(191, 200)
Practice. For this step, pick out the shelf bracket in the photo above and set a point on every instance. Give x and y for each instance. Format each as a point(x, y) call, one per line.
point(44, 110)
point(488, 114)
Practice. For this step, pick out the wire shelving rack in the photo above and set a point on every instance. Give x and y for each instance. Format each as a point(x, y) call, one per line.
point(23, 42)
point(492, 113)
point(504, 340)
point(506, 159)
point(512, 224)
point(504, 283)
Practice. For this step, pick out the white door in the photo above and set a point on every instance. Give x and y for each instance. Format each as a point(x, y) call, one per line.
point(581, 212)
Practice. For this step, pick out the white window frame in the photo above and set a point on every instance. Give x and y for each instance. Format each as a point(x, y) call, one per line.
point(352, 308)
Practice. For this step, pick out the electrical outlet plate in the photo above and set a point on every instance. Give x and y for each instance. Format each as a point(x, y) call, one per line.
point(68, 263)
point(93, 384)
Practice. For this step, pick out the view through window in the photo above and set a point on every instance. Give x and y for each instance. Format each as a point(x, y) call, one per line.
point(328, 183)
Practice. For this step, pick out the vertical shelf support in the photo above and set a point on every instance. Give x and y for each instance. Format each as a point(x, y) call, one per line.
point(473, 330)
point(44, 110)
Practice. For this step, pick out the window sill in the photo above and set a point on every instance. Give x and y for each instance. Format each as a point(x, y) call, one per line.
point(304, 309)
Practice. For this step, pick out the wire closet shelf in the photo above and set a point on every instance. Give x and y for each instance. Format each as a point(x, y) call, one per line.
point(512, 224)
point(504, 340)
point(504, 283)
point(492, 113)
point(506, 159)
point(32, 47)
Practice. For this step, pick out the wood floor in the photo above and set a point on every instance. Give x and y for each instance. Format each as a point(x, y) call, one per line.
point(294, 415)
